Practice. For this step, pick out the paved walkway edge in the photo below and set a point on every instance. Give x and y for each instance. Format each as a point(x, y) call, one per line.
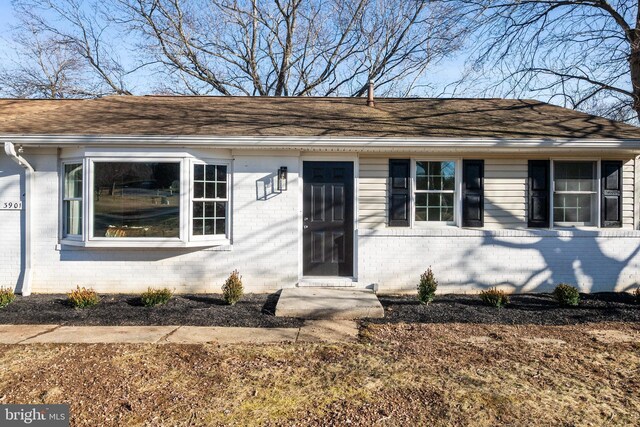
point(312, 331)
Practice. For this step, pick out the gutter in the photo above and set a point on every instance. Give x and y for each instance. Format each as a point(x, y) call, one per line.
point(10, 150)
point(325, 142)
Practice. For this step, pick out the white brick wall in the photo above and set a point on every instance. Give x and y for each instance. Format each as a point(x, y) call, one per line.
point(11, 187)
point(264, 250)
point(266, 247)
point(515, 260)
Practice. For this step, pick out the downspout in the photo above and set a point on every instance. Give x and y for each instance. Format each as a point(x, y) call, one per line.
point(10, 150)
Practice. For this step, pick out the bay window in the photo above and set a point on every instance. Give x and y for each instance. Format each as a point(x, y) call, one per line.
point(144, 201)
point(136, 199)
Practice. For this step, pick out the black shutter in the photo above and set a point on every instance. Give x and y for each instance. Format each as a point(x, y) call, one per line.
point(611, 193)
point(472, 193)
point(399, 197)
point(539, 189)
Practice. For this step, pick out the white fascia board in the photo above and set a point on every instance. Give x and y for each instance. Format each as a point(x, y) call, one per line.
point(316, 142)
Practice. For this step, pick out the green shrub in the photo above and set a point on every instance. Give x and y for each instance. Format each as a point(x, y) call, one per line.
point(494, 297)
point(232, 289)
point(6, 297)
point(637, 295)
point(427, 287)
point(566, 295)
point(83, 297)
point(153, 297)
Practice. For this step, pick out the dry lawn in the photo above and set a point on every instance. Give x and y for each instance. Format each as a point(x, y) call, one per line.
point(441, 374)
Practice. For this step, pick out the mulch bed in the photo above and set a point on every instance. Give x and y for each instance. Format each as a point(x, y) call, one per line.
point(536, 309)
point(254, 310)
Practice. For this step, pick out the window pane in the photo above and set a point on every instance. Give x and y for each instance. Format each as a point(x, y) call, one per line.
point(198, 227)
point(210, 209)
point(576, 208)
point(435, 176)
point(133, 199)
point(72, 181)
point(209, 227)
point(221, 191)
point(421, 182)
point(447, 200)
point(574, 176)
point(198, 172)
point(221, 210)
point(210, 192)
point(222, 173)
point(434, 206)
point(73, 217)
point(220, 226)
point(198, 209)
point(447, 214)
point(198, 190)
point(211, 173)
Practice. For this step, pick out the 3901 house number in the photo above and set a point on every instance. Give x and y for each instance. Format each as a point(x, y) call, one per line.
point(10, 205)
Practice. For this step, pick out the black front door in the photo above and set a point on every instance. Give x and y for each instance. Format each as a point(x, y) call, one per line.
point(327, 208)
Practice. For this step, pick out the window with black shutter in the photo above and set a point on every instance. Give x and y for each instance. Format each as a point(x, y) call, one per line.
point(399, 192)
point(611, 187)
point(472, 193)
point(539, 189)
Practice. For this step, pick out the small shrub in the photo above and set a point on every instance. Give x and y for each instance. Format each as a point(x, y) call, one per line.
point(232, 289)
point(83, 297)
point(566, 295)
point(427, 287)
point(494, 297)
point(637, 295)
point(153, 297)
point(6, 297)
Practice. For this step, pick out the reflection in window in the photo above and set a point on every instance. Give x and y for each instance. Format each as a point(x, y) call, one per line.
point(72, 200)
point(209, 199)
point(435, 191)
point(136, 199)
point(574, 198)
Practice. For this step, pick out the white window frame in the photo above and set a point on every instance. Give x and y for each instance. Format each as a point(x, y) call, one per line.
point(552, 190)
point(457, 193)
point(185, 239)
point(192, 199)
point(63, 199)
point(90, 194)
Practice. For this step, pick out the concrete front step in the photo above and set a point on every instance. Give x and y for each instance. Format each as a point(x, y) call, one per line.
point(328, 303)
point(323, 282)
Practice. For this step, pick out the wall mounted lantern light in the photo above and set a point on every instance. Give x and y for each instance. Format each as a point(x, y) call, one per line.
point(282, 178)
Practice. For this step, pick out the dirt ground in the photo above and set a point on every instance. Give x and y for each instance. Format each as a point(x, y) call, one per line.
point(397, 375)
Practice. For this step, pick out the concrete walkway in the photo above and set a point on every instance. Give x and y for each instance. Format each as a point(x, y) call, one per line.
point(312, 331)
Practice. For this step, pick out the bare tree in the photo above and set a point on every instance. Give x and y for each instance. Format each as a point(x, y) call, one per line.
point(583, 53)
point(84, 31)
point(294, 47)
point(43, 68)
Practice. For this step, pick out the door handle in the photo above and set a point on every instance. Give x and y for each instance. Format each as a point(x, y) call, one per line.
point(306, 219)
point(305, 226)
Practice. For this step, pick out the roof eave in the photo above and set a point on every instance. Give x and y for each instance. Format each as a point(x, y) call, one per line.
point(327, 142)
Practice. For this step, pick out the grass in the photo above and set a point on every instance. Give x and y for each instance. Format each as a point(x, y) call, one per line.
point(403, 374)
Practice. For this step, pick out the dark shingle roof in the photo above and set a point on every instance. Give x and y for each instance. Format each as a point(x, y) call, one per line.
point(331, 117)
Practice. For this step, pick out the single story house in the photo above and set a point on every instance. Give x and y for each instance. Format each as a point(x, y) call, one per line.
point(125, 192)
